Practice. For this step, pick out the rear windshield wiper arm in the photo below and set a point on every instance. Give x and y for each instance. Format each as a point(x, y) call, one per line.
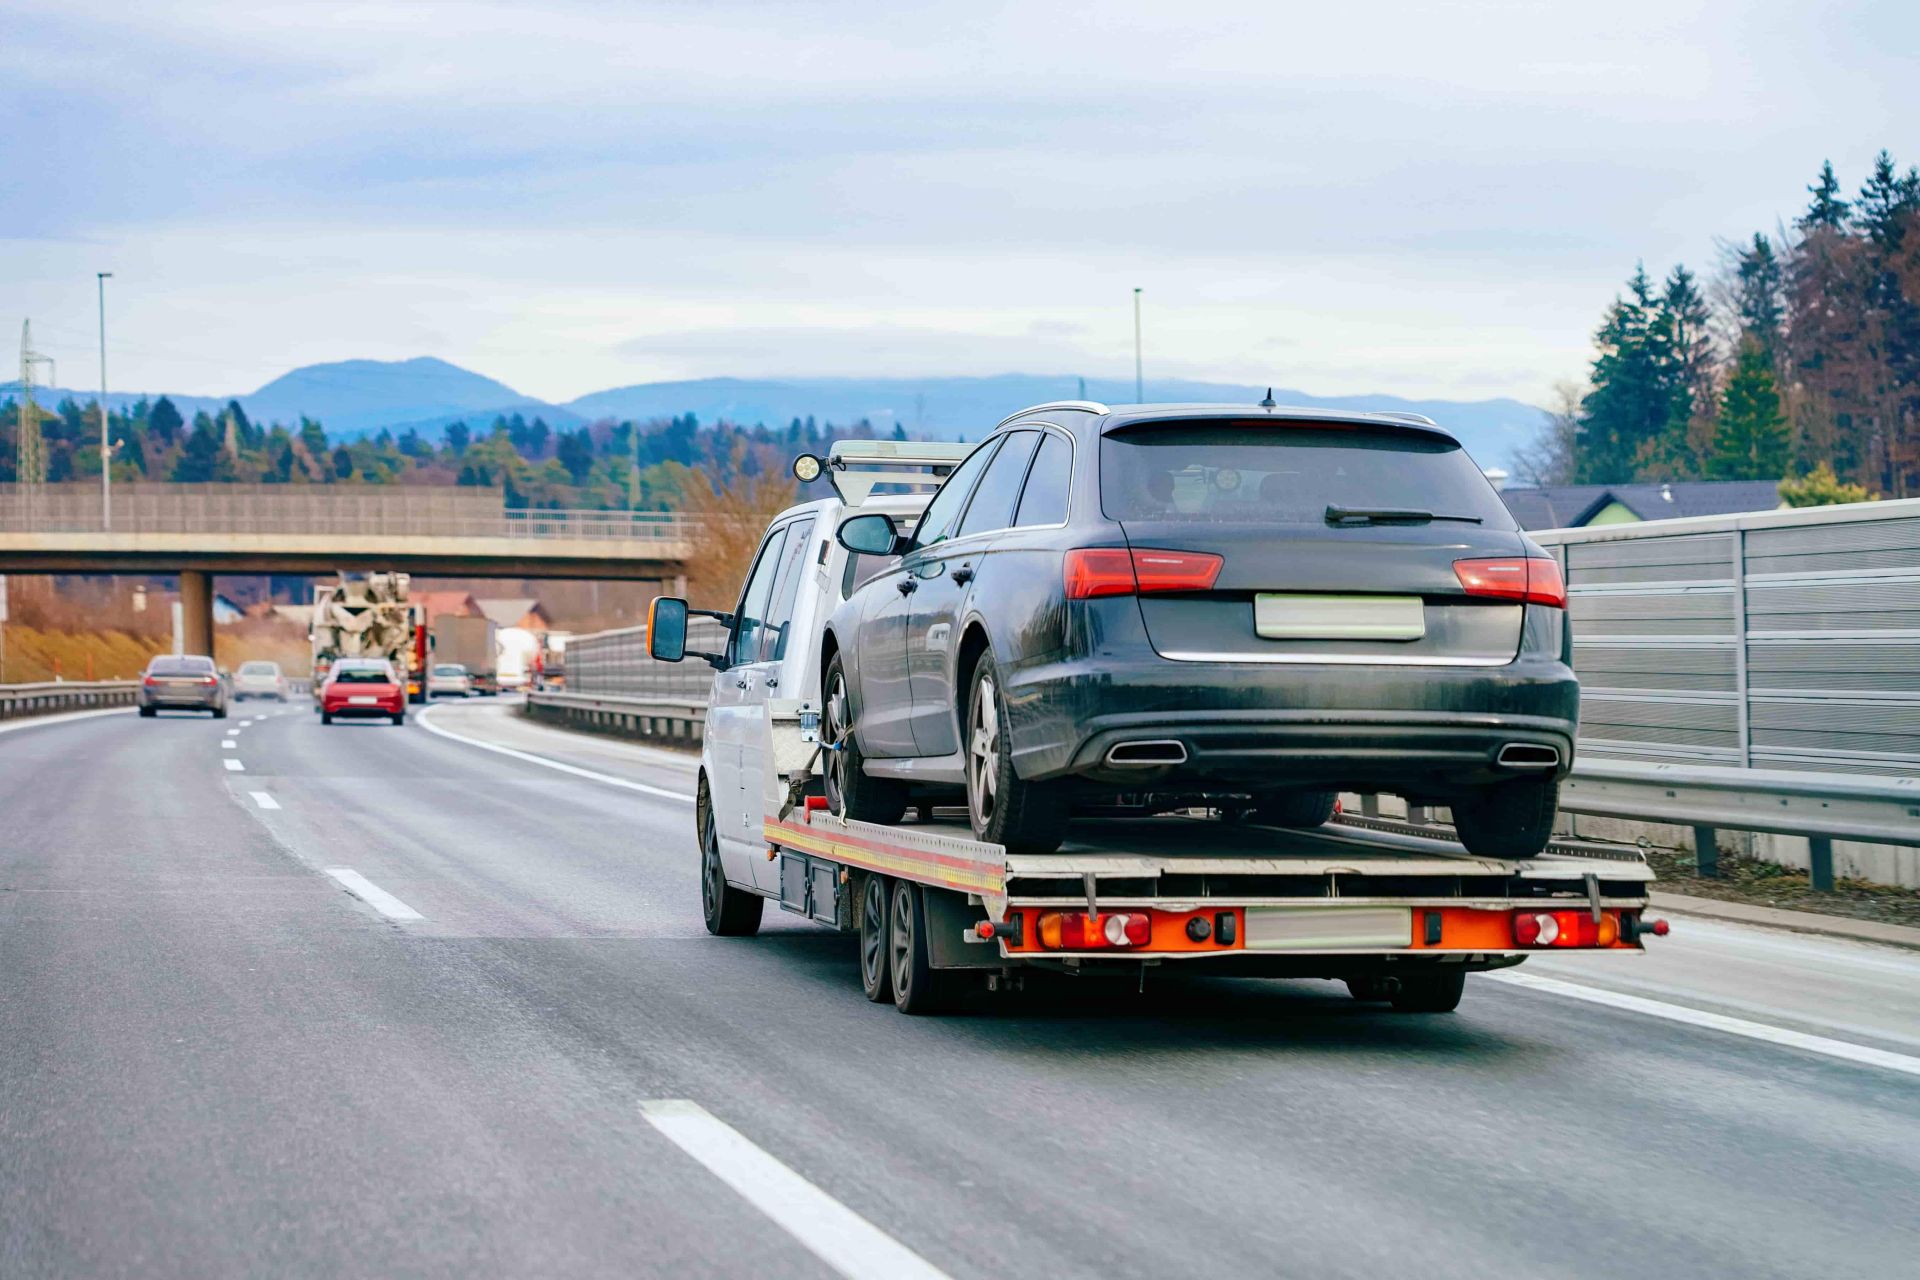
point(1390, 515)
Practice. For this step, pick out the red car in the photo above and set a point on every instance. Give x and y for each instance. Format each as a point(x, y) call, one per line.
point(363, 687)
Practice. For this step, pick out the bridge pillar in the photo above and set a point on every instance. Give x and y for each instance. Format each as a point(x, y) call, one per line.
point(196, 612)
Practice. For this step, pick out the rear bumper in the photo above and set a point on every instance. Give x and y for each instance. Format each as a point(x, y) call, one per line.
point(182, 700)
point(343, 709)
point(1403, 729)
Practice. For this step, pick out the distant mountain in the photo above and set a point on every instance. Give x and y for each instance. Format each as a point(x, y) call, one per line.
point(969, 407)
point(354, 398)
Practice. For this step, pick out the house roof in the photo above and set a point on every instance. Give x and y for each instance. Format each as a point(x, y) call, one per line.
point(1568, 506)
point(509, 611)
point(440, 604)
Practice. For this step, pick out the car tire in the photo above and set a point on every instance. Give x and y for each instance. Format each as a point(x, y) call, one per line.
point(851, 794)
point(219, 713)
point(1510, 820)
point(1436, 992)
point(326, 717)
point(918, 987)
point(728, 912)
point(1301, 809)
point(147, 712)
point(399, 717)
point(876, 970)
point(1026, 817)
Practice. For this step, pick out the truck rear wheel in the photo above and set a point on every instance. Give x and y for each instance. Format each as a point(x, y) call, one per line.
point(1436, 992)
point(851, 794)
point(876, 973)
point(729, 912)
point(1511, 820)
point(918, 987)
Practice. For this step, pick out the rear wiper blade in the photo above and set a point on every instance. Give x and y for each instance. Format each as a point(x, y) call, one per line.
point(1391, 515)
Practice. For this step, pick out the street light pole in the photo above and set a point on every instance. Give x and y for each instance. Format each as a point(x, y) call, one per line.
point(106, 449)
point(1139, 385)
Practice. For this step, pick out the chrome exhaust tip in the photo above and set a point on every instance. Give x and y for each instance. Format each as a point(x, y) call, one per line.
point(1152, 754)
point(1528, 755)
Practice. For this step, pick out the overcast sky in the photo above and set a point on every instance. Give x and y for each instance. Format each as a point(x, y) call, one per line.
point(1429, 198)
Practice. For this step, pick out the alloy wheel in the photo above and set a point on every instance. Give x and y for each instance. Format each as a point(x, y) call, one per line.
point(900, 935)
point(836, 735)
point(983, 752)
point(873, 933)
point(711, 876)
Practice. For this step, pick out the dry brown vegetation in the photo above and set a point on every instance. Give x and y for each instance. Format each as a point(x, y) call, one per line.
point(90, 630)
point(734, 518)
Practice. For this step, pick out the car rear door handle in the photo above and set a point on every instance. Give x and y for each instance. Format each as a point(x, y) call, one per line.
point(963, 575)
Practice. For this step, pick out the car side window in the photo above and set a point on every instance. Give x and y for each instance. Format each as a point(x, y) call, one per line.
point(1044, 501)
point(992, 505)
point(745, 646)
point(786, 588)
point(943, 513)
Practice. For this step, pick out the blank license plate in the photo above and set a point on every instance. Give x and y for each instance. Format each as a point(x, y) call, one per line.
point(1322, 928)
point(1310, 617)
point(363, 700)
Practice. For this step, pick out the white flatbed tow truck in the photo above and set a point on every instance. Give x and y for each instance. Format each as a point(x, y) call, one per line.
point(1401, 918)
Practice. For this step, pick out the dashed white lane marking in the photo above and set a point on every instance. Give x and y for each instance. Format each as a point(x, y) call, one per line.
point(228, 744)
point(264, 800)
point(373, 895)
point(1822, 1045)
point(427, 723)
point(234, 766)
point(834, 1233)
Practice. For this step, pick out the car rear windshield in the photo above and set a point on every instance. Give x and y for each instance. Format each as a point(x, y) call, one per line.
point(181, 667)
point(362, 675)
point(258, 669)
point(449, 669)
point(1265, 472)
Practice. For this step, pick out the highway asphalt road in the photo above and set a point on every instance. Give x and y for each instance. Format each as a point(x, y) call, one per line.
point(219, 1056)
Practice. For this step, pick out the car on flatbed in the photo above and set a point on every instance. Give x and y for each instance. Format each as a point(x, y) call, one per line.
point(1252, 608)
point(1400, 918)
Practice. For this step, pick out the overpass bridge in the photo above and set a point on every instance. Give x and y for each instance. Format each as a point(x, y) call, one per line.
point(197, 531)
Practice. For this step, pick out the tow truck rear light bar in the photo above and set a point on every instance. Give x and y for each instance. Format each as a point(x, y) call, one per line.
point(1091, 931)
point(1092, 572)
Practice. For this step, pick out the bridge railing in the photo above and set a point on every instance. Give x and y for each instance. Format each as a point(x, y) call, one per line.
point(319, 510)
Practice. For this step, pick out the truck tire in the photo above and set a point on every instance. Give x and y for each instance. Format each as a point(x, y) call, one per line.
point(1436, 992)
point(729, 912)
point(1510, 820)
point(851, 794)
point(876, 971)
point(918, 987)
point(1026, 817)
point(1302, 809)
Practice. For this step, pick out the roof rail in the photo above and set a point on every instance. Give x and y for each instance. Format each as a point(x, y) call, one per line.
point(922, 463)
point(1083, 406)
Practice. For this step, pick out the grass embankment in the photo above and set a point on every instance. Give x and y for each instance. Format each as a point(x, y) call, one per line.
point(34, 655)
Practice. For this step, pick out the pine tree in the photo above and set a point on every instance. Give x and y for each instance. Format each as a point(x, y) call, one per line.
point(1828, 210)
point(164, 423)
point(1750, 437)
point(1630, 403)
point(1760, 296)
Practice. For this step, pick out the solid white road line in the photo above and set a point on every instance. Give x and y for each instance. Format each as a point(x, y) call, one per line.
point(264, 800)
point(60, 717)
point(834, 1233)
point(1840, 1049)
point(427, 723)
point(234, 766)
point(373, 895)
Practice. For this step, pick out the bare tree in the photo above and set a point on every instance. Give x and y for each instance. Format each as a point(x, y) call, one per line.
point(731, 519)
point(1548, 458)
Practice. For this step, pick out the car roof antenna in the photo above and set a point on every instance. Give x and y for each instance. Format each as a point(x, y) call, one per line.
point(1268, 402)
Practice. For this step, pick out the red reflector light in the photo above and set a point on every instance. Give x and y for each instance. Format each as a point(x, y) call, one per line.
point(1092, 572)
point(1526, 578)
point(1565, 929)
point(1079, 931)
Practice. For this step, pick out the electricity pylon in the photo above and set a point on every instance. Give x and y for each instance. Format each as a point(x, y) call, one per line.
point(30, 469)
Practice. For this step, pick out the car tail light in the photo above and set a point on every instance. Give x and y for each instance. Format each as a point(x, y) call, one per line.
point(150, 680)
point(1565, 929)
point(1083, 931)
point(207, 680)
point(1532, 579)
point(1092, 572)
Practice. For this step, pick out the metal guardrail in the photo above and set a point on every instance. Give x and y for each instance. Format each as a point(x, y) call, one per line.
point(615, 664)
point(675, 720)
point(18, 700)
point(1821, 807)
point(319, 510)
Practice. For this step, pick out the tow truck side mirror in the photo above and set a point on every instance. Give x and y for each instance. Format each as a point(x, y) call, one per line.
point(667, 629)
point(872, 534)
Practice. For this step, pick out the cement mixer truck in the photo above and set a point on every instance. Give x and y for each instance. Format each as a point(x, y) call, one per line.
point(367, 616)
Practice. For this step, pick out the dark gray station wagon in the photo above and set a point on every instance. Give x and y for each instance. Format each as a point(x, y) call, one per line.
point(1246, 607)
